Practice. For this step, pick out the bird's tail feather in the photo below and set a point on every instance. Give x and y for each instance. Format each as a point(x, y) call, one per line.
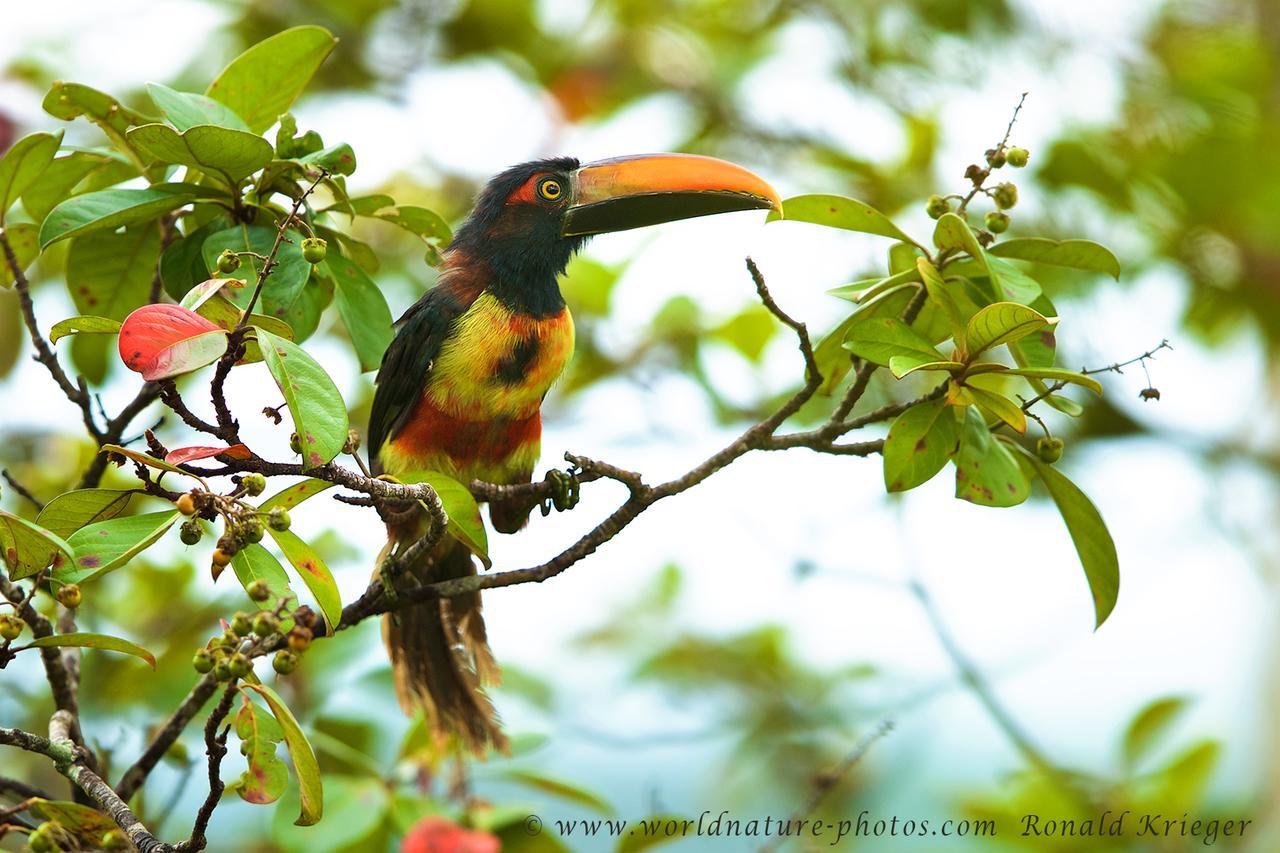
point(441, 659)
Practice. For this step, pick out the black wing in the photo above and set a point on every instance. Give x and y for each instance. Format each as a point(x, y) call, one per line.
point(407, 363)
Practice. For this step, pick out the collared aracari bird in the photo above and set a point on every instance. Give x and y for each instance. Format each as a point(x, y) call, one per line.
point(461, 385)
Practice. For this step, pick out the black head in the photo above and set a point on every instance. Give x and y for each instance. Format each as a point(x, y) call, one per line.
point(529, 220)
point(515, 230)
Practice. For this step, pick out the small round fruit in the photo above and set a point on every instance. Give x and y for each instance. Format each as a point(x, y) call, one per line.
point(229, 639)
point(221, 559)
point(186, 505)
point(222, 670)
point(254, 484)
point(314, 249)
point(278, 519)
point(265, 624)
point(202, 661)
point(69, 596)
point(1049, 449)
point(1149, 394)
point(239, 665)
point(252, 531)
point(300, 638)
point(937, 206)
point(996, 157)
point(39, 841)
point(242, 623)
point(305, 616)
point(284, 662)
point(190, 532)
point(258, 590)
point(228, 262)
point(997, 222)
point(295, 443)
point(1005, 195)
point(11, 627)
point(1017, 157)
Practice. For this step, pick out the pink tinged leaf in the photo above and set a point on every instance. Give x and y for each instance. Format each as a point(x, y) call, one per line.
point(191, 454)
point(160, 341)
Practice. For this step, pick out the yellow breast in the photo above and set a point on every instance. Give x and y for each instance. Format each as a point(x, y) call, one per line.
point(499, 364)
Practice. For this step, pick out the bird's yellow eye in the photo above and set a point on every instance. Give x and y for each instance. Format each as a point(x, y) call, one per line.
point(550, 189)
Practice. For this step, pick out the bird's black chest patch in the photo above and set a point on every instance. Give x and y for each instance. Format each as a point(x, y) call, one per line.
point(513, 369)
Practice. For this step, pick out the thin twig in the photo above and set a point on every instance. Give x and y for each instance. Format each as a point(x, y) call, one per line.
point(21, 489)
point(215, 749)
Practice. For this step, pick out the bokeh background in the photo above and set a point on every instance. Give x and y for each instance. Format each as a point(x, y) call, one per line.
point(737, 641)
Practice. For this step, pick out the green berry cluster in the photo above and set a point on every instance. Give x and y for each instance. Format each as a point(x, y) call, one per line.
point(230, 654)
point(244, 524)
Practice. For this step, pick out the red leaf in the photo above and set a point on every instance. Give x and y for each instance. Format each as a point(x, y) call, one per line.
point(160, 341)
point(190, 454)
point(438, 835)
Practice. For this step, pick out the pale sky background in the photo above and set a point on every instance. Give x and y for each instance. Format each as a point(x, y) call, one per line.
point(1195, 616)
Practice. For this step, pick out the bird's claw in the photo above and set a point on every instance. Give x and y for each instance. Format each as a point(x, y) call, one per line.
point(565, 487)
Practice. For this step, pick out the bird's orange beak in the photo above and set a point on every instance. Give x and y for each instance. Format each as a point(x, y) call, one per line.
point(632, 192)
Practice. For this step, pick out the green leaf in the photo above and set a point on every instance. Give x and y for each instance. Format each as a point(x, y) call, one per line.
point(460, 505)
point(264, 81)
point(81, 214)
point(941, 294)
point(295, 494)
point(93, 641)
point(952, 232)
point(920, 442)
point(840, 212)
point(70, 511)
point(425, 223)
point(68, 101)
point(105, 546)
point(84, 324)
point(26, 248)
point(869, 288)
point(337, 159)
point(986, 471)
point(80, 819)
point(314, 573)
point(902, 366)
point(28, 547)
point(1076, 254)
point(109, 273)
point(1016, 285)
point(232, 154)
point(185, 110)
point(1089, 533)
point(1185, 778)
point(283, 286)
point(561, 789)
point(252, 563)
point(999, 406)
point(304, 758)
point(880, 339)
point(318, 411)
point(266, 778)
point(1000, 323)
point(23, 163)
point(1058, 374)
point(1148, 726)
point(86, 170)
point(364, 311)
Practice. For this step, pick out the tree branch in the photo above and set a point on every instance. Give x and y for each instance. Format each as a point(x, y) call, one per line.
point(168, 734)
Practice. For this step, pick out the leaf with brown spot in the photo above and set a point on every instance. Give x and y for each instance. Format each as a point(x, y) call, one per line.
point(986, 471)
point(266, 777)
point(313, 571)
point(28, 547)
point(920, 442)
point(190, 454)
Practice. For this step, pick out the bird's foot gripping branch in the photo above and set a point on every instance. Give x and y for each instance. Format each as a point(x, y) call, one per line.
point(237, 261)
